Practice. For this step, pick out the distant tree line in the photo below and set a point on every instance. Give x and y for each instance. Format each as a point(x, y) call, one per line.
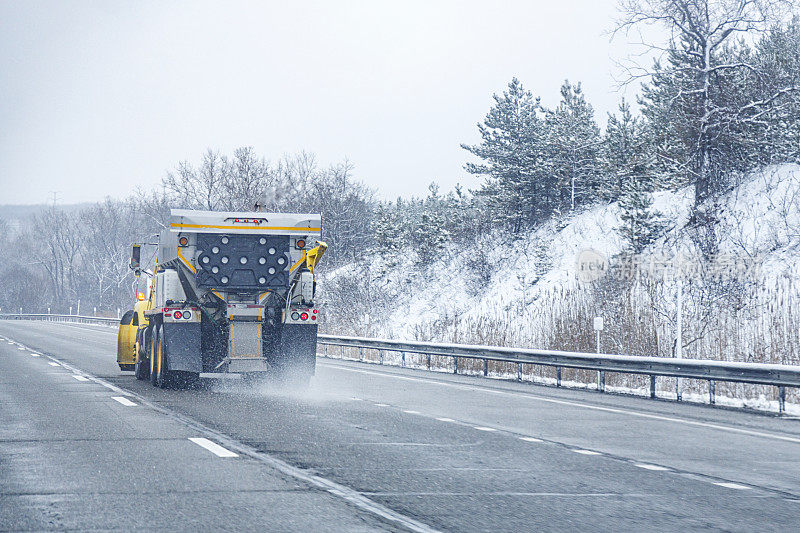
point(64, 259)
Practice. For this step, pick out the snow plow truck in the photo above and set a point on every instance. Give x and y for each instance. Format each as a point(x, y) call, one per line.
point(229, 292)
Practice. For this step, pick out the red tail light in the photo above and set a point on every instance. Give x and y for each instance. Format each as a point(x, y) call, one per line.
point(303, 316)
point(178, 314)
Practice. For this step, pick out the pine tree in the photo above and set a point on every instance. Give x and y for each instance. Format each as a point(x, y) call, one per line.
point(625, 152)
point(429, 237)
point(513, 154)
point(640, 224)
point(574, 144)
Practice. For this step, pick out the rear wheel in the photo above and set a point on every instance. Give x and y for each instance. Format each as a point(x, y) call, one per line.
point(141, 368)
point(163, 374)
point(153, 368)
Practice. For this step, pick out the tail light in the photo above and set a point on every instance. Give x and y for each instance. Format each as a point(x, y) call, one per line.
point(303, 316)
point(177, 314)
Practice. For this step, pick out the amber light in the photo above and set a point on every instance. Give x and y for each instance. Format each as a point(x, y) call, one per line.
point(183, 241)
point(301, 243)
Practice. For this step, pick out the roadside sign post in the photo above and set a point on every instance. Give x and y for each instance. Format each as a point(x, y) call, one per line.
point(601, 375)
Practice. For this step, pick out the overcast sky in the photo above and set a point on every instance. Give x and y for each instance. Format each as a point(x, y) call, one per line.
point(99, 97)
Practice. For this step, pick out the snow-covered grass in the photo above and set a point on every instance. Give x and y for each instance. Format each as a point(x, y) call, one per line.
point(525, 291)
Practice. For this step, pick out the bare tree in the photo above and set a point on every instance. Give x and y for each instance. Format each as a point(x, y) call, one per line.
point(701, 34)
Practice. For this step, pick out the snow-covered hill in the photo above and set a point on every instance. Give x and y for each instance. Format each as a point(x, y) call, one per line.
point(759, 221)
point(526, 291)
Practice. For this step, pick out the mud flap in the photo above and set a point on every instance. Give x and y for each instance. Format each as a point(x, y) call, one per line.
point(298, 349)
point(182, 345)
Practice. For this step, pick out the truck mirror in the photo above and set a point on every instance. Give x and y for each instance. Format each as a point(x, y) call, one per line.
point(136, 257)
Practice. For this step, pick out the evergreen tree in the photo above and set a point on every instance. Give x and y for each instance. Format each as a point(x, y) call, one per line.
point(513, 154)
point(574, 143)
point(625, 152)
point(640, 224)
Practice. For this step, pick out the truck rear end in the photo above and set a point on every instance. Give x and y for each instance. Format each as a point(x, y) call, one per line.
point(232, 292)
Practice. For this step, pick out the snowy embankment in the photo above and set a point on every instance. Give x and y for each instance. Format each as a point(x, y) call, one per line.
point(526, 291)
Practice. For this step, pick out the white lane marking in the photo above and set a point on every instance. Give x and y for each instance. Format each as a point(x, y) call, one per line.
point(445, 419)
point(651, 467)
point(411, 411)
point(124, 401)
point(340, 491)
point(531, 439)
point(34, 354)
point(735, 486)
point(80, 378)
point(570, 403)
point(21, 348)
point(53, 363)
point(213, 447)
point(381, 405)
point(356, 399)
point(483, 428)
point(586, 452)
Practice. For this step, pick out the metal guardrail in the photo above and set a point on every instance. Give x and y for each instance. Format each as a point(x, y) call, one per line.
point(81, 319)
point(780, 376)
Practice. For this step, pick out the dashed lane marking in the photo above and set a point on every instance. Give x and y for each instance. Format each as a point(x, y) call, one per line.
point(381, 405)
point(34, 355)
point(213, 447)
point(80, 378)
point(586, 452)
point(341, 491)
point(651, 467)
point(445, 419)
point(531, 439)
point(483, 428)
point(53, 363)
point(571, 403)
point(411, 411)
point(734, 486)
point(124, 401)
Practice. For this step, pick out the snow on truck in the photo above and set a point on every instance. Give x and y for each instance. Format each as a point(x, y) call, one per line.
point(229, 292)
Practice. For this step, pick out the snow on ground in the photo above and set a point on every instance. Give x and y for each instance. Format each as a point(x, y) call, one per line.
point(524, 278)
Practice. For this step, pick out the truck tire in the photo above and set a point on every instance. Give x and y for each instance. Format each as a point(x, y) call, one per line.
point(153, 369)
point(163, 377)
point(142, 366)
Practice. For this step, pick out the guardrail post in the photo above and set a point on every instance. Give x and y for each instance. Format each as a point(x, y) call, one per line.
point(558, 376)
point(361, 354)
point(485, 367)
point(455, 365)
point(403, 360)
point(601, 381)
point(326, 350)
point(652, 386)
point(712, 385)
point(428, 361)
point(380, 357)
point(519, 371)
point(342, 351)
point(781, 399)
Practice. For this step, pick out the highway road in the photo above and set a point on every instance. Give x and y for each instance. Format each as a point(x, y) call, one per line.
point(84, 446)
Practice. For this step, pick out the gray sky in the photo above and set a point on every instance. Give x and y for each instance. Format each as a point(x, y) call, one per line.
point(99, 97)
